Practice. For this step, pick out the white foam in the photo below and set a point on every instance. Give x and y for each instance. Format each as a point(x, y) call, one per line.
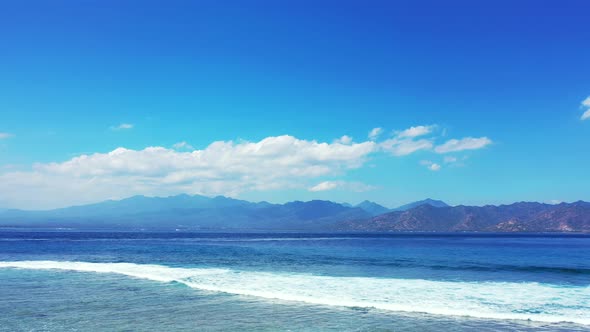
point(490, 300)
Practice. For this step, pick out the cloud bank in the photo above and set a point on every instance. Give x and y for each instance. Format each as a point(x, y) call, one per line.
point(223, 168)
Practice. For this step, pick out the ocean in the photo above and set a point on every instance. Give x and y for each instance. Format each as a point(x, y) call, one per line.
point(66, 280)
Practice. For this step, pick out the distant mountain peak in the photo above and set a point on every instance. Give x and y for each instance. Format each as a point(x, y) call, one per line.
point(372, 207)
point(428, 201)
point(367, 202)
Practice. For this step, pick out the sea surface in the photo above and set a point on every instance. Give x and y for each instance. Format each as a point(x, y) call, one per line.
point(66, 280)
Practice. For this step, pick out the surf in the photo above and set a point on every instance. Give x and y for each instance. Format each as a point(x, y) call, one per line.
point(548, 303)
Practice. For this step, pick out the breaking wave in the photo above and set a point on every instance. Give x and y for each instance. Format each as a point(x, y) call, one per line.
point(490, 300)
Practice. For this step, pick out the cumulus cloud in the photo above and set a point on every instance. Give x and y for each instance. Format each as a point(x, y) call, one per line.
point(434, 167)
point(122, 126)
point(5, 135)
point(345, 185)
point(224, 167)
point(467, 143)
point(431, 165)
point(344, 140)
point(415, 131)
point(374, 133)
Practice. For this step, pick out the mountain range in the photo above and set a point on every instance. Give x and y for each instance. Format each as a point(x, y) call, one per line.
point(187, 212)
point(517, 217)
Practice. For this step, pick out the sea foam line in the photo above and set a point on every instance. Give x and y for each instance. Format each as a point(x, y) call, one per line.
point(488, 300)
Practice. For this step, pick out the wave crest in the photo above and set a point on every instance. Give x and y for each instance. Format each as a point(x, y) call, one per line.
point(490, 300)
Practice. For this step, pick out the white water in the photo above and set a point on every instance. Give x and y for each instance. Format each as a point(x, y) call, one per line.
point(493, 300)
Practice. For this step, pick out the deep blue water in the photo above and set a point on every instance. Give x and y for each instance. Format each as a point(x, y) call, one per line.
point(68, 280)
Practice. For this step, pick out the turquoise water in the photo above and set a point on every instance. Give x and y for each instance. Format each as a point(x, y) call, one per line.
point(79, 281)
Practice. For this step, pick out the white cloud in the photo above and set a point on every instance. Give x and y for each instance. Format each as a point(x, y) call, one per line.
point(223, 168)
point(374, 133)
point(343, 185)
point(431, 165)
point(344, 140)
point(449, 159)
point(434, 167)
point(467, 143)
point(404, 142)
point(403, 147)
point(586, 104)
point(122, 126)
point(415, 131)
point(324, 186)
point(183, 146)
point(6, 135)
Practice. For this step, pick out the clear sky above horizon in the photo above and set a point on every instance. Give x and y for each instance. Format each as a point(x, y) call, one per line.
point(471, 102)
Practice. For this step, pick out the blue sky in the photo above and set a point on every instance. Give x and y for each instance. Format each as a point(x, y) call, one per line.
point(506, 80)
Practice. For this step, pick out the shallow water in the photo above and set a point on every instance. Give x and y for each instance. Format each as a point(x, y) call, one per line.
point(55, 281)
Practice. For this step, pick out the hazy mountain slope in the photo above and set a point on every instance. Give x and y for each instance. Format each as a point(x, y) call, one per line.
point(222, 213)
point(186, 211)
point(372, 208)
